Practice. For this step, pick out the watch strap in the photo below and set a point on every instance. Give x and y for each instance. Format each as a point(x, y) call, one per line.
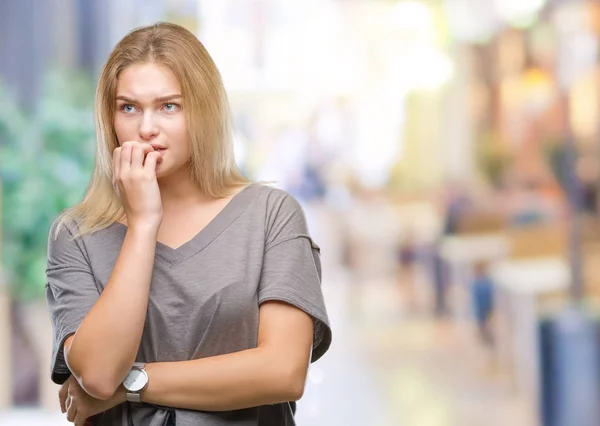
point(134, 397)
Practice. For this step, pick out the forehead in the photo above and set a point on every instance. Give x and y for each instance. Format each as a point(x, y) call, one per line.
point(147, 81)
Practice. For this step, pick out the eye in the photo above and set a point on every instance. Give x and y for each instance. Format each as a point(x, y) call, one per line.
point(171, 107)
point(127, 108)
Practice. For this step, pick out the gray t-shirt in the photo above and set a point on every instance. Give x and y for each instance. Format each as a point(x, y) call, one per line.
point(204, 296)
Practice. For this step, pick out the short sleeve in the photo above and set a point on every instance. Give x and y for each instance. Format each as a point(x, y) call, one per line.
point(70, 293)
point(291, 270)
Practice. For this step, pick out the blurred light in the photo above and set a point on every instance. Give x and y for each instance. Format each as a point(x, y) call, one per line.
point(537, 86)
point(578, 55)
point(584, 110)
point(520, 13)
point(378, 140)
point(411, 14)
point(422, 68)
point(570, 18)
point(416, 62)
point(471, 21)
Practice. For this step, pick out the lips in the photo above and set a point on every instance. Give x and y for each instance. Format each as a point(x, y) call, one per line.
point(158, 147)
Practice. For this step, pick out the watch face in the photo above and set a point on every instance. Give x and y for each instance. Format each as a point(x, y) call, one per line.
point(135, 380)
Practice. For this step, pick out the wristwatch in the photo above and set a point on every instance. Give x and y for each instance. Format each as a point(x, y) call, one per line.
point(135, 382)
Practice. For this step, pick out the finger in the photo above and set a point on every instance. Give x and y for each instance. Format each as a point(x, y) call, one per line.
point(68, 403)
point(126, 152)
point(139, 152)
point(62, 397)
point(116, 164)
point(151, 160)
point(63, 394)
point(71, 410)
point(80, 419)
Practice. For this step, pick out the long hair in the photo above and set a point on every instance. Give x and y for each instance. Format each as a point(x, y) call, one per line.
point(207, 116)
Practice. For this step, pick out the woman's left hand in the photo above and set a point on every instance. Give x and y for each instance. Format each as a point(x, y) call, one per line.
point(80, 406)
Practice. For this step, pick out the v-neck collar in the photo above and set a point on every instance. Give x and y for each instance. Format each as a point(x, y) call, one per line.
point(229, 213)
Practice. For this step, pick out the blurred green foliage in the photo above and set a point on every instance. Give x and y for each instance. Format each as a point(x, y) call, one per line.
point(493, 157)
point(46, 158)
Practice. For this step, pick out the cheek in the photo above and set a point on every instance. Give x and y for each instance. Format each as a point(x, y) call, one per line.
point(179, 127)
point(179, 135)
point(124, 129)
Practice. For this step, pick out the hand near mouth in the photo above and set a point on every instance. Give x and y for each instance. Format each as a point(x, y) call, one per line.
point(134, 167)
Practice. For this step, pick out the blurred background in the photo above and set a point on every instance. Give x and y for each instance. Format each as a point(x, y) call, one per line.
point(446, 153)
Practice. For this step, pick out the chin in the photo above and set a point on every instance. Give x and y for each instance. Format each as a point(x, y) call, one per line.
point(172, 168)
point(161, 172)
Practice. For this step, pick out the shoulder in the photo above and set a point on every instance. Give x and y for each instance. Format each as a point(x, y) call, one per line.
point(277, 201)
point(284, 216)
point(63, 233)
point(62, 227)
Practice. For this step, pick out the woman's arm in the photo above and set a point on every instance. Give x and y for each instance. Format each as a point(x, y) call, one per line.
point(273, 372)
point(103, 349)
point(101, 352)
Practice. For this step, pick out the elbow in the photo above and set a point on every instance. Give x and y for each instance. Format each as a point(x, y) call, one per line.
point(97, 386)
point(288, 375)
point(97, 382)
point(295, 382)
point(296, 391)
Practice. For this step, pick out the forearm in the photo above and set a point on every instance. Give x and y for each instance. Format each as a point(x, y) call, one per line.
point(238, 380)
point(118, 398)
point(104, 347)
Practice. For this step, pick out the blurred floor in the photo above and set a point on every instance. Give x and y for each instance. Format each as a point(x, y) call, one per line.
point(388, 367)
point(390, 364)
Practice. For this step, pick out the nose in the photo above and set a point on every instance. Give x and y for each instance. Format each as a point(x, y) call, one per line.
point(148, 128)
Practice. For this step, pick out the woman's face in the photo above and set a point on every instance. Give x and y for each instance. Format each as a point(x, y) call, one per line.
point(149, 110)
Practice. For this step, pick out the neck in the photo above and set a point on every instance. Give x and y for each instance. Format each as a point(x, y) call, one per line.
point(178, 191)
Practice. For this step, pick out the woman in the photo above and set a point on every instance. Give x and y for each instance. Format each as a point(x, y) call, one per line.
point(173, 261)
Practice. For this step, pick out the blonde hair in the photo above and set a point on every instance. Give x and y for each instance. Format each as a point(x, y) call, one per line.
point(206, 110)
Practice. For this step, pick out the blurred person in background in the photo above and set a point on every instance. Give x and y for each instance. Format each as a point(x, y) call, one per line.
point(587, 171)
point(179, 292)
point(482, 296)
point(455, 205)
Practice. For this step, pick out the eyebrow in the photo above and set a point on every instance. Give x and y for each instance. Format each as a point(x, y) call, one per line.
point(160, 99)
